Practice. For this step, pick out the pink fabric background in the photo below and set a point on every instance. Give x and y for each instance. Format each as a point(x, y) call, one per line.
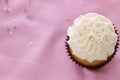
point(46, 58)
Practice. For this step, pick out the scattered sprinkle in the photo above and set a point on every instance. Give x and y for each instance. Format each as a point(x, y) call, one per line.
point(29, 1)
point(14, 27)
point(25, 10)
point(29, 16)
point(7, 10)
point(31, 43)
point(6, 1)
point(14, 20)
point(67, 18)
point(9, 31)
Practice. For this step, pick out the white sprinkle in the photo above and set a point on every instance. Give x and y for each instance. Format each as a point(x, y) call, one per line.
point(14, 20)
point(10, 32)
point(7, 10)
point(31, 43)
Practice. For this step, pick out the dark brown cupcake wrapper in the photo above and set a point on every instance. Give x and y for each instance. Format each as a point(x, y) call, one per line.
point(92, 67)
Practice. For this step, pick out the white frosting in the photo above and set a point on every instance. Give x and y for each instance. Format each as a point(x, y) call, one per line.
point(92, 37)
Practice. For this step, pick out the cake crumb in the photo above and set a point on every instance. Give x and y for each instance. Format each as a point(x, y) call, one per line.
point(67, 18)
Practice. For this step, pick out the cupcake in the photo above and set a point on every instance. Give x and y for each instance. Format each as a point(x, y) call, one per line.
point(92, 40)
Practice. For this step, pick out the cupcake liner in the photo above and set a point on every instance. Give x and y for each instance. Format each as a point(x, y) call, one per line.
point(92, 67)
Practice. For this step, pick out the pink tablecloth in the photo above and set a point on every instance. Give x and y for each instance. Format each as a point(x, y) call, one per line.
point(32, 36)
